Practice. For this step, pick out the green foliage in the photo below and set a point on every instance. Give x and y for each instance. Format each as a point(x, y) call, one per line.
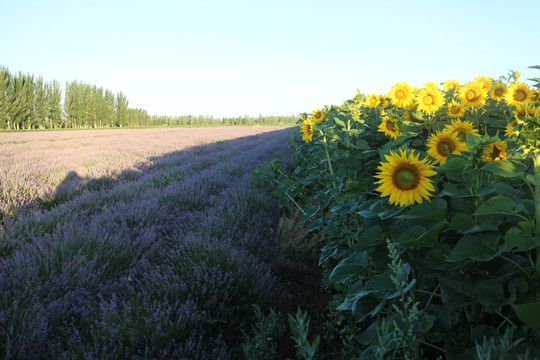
point(27, 102)
point(299, 325)
point(260, 344)
point(461, 266)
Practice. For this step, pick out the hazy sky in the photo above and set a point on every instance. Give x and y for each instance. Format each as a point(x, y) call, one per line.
point(278, 57)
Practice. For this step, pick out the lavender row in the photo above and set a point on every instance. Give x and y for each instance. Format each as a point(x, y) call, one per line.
point(34, 164)
point(166, 265)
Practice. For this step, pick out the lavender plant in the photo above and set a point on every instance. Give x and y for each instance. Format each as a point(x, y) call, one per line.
point(162, 260)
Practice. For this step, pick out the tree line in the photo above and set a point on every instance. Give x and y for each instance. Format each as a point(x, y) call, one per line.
point(28, 102)
point(208, 120)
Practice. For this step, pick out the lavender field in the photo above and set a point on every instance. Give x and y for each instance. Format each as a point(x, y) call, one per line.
point(134, 244)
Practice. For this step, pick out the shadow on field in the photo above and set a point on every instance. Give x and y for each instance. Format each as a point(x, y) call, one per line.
point(74, 185)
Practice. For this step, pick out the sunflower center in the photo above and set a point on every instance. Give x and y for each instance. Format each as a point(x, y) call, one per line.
point(520, 95)
point(454, 110)
point(391, 125)
point(400, 94)
point(499, 92)
point(462, 134)
point(406, 177)
point(428, 100)
point(497, 154)
point(445, 147)
point(309, 129)
point(471, 95)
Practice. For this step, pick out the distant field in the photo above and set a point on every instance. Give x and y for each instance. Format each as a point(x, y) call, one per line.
point(34, 164)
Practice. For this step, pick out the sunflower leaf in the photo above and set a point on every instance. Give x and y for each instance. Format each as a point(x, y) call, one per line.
point(478, 246)
point(496, 205)
point(529, 313)
point(505, 168)
point(432, 211)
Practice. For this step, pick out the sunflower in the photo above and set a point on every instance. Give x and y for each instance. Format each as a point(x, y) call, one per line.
point(429, 100)
point(407, 115)
point(498, 91)
point(524, 111)
point(431, 84)
point(509, 130)
point(494, 151)
point(472, 95)
point(451, 84)
point(519, 94)
point(484, 81)
point(389, 126)
point(303, 117)
point(443, 143)
point(516, 74)
point(373, 100)
point(405, 178)
point(412, 106)
point(536, 95)
point(455, 109)
point(401, 94)
point(382, 101)
point(317, 115)
point(462, 128)
point(307, 129)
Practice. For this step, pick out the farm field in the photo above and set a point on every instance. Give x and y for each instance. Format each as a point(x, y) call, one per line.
point(39, 168)
point(135, 244)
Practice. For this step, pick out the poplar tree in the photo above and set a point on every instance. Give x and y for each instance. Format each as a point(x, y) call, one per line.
point(4, 103)
point(54, 106)
point(40, 107)
point(121, 110)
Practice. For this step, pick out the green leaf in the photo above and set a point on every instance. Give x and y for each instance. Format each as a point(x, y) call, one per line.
point(457, 290)
point(496, 205)
point(417, 236)
point(436, 257)
point(454, 164)
point(452, 190)
point(516, 240)
point(369, 238)
point(432, 211)
point(356, 188)
point(472, 141)
point(505, 168)
point(526, 227)
point(503, 188)
point(491, 294)
point(529, 314)
point(379, 208)
point(480, 246)
point(461, 222)
point(515, 287)
point(314, 225)
point(349, 267)
point(328, 251)
point(366, 306)
point(342, 146)
point(339, 122)
point(532, 180)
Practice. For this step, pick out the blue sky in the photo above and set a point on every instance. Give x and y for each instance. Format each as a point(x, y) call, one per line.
point(251, 57)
